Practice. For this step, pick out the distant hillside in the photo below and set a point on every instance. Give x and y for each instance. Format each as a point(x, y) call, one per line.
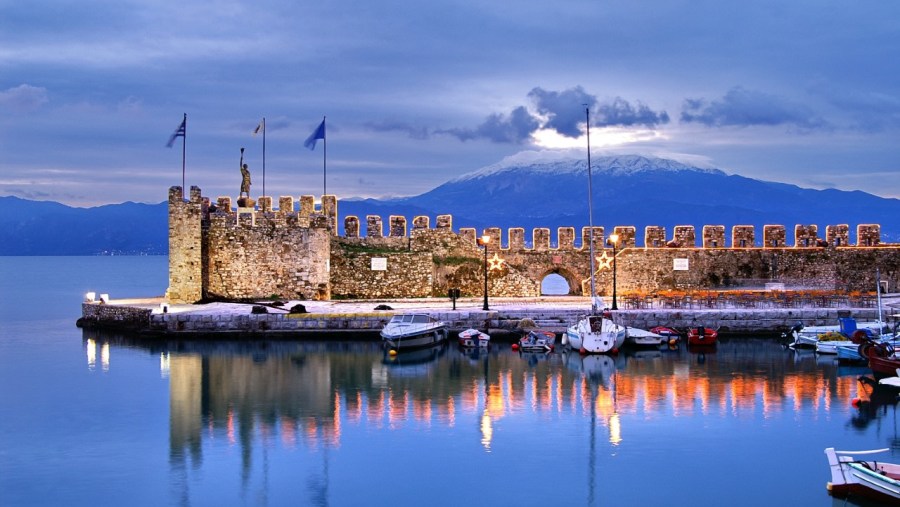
point(628, 190)
point(50, 228)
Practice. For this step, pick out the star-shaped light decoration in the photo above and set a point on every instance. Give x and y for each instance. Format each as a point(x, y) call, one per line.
point(496, 262)
point(604, 261)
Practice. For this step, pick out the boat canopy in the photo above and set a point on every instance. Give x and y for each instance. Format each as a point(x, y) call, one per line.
point(419, 318)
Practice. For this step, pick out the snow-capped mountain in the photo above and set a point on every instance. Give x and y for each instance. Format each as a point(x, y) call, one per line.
point(537, 162)
point(529, 191)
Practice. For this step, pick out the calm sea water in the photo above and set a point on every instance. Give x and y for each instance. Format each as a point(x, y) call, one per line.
point(105, 419)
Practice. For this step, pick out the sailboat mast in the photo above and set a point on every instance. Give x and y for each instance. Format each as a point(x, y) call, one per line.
point(878, 293)
point(587, 112)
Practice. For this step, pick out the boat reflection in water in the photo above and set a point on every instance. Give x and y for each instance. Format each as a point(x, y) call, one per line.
point(287, 402)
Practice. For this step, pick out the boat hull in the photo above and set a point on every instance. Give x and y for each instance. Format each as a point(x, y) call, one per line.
point(415, 341)
point(412, 331)
point(883, 367)
point(643, 338)
point(472, 338)
point(870, 479)
point(596, 335)
point(707, 338)
point(537, 341)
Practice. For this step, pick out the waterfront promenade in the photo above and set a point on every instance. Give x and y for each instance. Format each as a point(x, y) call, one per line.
point(364, 318)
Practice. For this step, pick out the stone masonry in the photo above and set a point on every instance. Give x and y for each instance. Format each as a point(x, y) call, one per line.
point(294, 252)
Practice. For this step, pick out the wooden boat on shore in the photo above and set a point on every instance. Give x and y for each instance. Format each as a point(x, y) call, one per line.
point(473, 338)
point(414, 330)
point(702, 336)
point(876, 480)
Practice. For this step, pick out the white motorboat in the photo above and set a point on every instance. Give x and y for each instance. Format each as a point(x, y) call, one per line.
point(644, 338)
point(876, 480)
point(473, 338)
point(595, 334)
point(414, 330)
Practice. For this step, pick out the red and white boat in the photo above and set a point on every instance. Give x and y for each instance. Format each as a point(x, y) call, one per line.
point(473, 338)
point(876, 480)
point(702, 336)
point(669, 333)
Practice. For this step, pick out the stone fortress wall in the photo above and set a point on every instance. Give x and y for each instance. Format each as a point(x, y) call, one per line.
point(294, 252)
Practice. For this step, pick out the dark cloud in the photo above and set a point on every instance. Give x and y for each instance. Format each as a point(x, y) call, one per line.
point(398, 126)
point(561, 111)
point(621, 113)
point(23, 98)
point(742, 107)
point(564, 110)
point(515, 128)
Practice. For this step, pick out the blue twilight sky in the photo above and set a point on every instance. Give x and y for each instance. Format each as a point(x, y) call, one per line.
point(418, 92)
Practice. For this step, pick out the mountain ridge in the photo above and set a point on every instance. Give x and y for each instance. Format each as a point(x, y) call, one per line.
point(627, 191)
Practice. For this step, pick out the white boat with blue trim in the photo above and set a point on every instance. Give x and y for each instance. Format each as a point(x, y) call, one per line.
point(414, 330)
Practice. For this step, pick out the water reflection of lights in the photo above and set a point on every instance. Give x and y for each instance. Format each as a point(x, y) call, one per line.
point(615, 429)
point(480, 399)
point(487, 431)
point(91, 350)
point(164, 365)
point(91, 353)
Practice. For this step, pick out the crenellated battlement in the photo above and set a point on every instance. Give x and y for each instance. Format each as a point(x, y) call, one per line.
point(683, 236)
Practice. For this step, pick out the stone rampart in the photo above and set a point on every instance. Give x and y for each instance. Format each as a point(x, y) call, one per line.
point(294, 251)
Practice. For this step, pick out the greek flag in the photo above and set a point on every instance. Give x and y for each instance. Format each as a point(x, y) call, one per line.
point(178, 133)
point(315, 136)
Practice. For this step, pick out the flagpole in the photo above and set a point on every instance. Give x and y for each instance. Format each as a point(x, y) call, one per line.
point(264, 155)
point(324, 170)
point(183, 152)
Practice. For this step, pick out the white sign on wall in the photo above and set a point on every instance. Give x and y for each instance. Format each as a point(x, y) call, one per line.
point(680, 264)
point(379, 263)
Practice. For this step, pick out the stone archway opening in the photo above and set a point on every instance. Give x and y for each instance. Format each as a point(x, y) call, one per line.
point(555, 283)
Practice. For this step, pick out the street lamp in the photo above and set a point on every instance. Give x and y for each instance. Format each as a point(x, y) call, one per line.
point(614, 240)
point(483, 241)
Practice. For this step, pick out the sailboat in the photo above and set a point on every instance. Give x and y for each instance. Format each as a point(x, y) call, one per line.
point(594, 334)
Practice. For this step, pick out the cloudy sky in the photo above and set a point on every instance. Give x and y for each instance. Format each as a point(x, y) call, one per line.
point(418, 92)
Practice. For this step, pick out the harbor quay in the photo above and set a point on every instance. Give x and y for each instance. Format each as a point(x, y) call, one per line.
point(363, 319)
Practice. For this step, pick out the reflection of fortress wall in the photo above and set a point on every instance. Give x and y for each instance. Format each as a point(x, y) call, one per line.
point(217, 251)
point(312, 394)
point(185, 406)
point(285, 386)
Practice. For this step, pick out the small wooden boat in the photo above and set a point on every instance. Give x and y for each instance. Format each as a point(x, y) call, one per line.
point(883, 366)
point(537, 340)
point(473, 338)
point(702, 336)
point(876, 480)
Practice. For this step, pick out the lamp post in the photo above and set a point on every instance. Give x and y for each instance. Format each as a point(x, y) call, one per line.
point(614, 240)
point(483, 242)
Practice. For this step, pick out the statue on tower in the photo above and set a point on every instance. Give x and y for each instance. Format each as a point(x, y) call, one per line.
point(244, 200)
